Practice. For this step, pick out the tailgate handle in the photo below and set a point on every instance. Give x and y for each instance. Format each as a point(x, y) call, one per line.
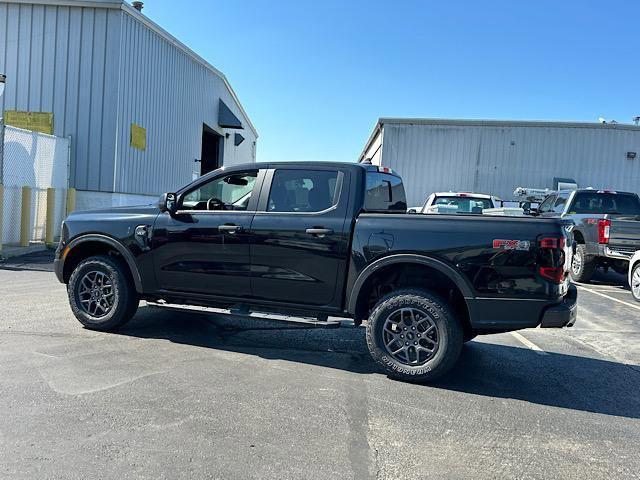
point(229, 228)
point(319, 231)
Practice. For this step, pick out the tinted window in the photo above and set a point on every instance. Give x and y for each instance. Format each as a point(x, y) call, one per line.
point(594, 202)
point(303, 190)
point(231, 192)
point(547, 204)
point(465, 204)
point(561, 201)
point(384, 193)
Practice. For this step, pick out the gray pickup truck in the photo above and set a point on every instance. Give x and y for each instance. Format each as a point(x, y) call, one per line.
point(606, 228)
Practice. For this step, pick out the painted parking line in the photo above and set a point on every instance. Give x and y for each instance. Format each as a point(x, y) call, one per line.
point(528, 343)
point(595, 292)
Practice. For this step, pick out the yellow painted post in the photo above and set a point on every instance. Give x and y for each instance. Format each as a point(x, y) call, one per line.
point(51, 211)
point(1, 212)
point(71, 200)
point(25, 217)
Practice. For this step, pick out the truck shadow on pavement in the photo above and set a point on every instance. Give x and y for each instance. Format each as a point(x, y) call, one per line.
point(488, 369)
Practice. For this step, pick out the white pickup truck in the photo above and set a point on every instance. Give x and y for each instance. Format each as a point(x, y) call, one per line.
point(458, 202)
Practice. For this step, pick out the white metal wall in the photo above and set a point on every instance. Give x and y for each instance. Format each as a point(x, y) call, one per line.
point(171, 95)
point(98, 69)
point(64, 59)
point(496, 159)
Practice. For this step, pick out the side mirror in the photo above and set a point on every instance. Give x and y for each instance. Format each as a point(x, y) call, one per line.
point(168, 203)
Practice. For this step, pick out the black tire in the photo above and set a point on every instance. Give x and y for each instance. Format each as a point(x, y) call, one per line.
point(583, 266)
point(116, 308)
point(635, 282)
point(432, 311)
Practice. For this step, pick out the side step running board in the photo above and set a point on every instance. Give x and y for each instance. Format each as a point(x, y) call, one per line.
point(264, 316)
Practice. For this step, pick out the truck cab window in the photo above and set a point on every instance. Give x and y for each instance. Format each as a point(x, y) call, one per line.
point(547, 205)
point(560, 203)
point(231, 192)
point(384, 193)
point(303, 190)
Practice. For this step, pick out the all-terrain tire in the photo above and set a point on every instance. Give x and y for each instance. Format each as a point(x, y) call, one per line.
point(635, 284)
point(429, 309)
point(583, 266)
point(120, 297)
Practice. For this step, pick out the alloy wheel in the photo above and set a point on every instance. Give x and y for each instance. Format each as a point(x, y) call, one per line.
point(96, 294)
point(576, 263)
point(635, 283)
point(410, 336)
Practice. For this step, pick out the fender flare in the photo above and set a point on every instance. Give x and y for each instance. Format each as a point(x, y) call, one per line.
point(450, 272)
point(121, 249)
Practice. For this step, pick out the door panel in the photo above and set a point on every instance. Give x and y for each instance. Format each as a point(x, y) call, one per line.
point(193, 254)
point(204, 247)
point(299, 242)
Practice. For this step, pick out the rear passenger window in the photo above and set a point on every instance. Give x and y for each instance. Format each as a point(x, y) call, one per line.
point(303, 190)
point(384, 193)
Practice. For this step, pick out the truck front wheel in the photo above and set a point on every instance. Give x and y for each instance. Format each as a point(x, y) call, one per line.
point(414, 335)
point(101, 293)
point(583, 266)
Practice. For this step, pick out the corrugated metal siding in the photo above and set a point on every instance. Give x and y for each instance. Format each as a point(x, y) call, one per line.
point(100, 69)
point(168, 93)
point(488, 159)
point(61, 59)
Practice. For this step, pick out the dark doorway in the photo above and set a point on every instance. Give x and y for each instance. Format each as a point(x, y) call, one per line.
point(212, 148)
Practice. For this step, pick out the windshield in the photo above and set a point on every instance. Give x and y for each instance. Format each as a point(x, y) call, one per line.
point(465, 204)
point(606, 202)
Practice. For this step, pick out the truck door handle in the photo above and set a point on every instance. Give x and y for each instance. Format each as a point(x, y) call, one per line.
point(229, 228)
point(319, 232)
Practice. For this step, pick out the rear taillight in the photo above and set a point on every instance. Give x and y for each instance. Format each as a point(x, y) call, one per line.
point(604, 228)
point(551, 258)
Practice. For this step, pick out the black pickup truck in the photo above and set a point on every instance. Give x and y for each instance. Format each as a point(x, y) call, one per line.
point(606, 228)
point(319, 239)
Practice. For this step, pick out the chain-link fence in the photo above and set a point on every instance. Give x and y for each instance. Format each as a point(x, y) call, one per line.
point(39, 162)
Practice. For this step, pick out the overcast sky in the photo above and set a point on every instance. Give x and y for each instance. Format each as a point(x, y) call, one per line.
point(314, 76)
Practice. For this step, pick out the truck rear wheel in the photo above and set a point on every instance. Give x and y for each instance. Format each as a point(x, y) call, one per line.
point(583, 266)
point(414, 335)
point(101, 293)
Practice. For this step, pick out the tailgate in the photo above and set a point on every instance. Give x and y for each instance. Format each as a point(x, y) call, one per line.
point(624, 234)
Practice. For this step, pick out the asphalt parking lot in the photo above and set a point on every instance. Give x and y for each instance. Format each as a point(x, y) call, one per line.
point(187, 395)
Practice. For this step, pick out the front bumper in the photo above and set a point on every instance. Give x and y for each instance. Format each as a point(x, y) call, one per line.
point(563, 314)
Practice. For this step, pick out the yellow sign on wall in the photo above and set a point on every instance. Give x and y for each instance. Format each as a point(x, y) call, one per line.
point(35, 121)
point(138, 137)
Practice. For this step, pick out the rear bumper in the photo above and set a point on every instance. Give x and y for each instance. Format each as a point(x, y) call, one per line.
point(564, 314)
point(619, 253)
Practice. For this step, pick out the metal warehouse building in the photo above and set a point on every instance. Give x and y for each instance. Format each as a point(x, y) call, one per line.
point(495, 157)
point(144, 113)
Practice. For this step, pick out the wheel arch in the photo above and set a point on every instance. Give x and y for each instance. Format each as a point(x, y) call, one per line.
point(357, 304)
point(88, 245)
point(578, 237)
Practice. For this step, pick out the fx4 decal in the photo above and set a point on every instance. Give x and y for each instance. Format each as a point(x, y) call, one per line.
point(511, 244)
